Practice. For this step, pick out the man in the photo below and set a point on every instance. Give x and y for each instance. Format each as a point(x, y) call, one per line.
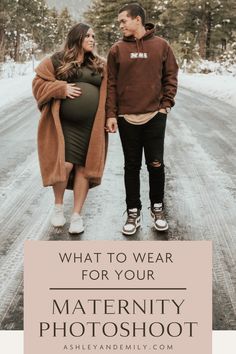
point(142, 84)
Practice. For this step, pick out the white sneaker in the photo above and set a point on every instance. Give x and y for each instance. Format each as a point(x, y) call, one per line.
point(76, 224)
point(58, 219)
point(132, 223)
point(159, 219)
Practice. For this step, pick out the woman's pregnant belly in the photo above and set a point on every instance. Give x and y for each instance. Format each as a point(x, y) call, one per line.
point(83, 108)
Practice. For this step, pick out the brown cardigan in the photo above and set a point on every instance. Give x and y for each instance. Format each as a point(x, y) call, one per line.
point(51, 146)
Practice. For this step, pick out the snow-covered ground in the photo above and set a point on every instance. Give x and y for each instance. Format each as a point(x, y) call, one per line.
point(222, 87)
point(15, 89)
point(10, 69)
point(16, 84)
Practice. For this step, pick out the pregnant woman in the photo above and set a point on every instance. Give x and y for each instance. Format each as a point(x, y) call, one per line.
point(70, 89)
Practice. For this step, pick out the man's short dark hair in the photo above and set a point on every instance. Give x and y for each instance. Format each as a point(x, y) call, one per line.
point(134, 10)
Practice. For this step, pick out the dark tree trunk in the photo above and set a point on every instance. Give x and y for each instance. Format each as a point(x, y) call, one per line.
point(2, 44)
point(208, 37)
point(203, 38)
point(223, 44)
point(17, 47)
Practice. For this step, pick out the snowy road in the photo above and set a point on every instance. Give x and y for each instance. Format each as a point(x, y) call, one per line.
point(200, 197)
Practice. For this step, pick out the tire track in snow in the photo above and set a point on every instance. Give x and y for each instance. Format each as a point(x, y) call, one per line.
point(201, 201)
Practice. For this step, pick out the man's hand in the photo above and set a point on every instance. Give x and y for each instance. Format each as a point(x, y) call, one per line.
point(162, 110)
point(111, 125)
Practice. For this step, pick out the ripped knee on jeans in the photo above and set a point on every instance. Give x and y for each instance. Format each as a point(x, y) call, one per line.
point(155, 164)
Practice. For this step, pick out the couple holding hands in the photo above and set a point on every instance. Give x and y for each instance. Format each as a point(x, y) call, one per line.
point(82, 98)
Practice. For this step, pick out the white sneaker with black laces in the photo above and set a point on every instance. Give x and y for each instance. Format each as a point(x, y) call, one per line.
point(133, 222)
point(159, 218)
point(58, 218)
point(76, 224)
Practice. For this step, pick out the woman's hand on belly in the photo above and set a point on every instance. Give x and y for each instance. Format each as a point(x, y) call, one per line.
point(73, 91)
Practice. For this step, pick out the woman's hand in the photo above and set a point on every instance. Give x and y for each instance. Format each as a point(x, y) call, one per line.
point(73, 91)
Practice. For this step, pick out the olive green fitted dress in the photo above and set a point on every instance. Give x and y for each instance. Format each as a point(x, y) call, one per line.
point(77, 115)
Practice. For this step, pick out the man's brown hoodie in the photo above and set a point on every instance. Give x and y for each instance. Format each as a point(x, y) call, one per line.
point(142, 75)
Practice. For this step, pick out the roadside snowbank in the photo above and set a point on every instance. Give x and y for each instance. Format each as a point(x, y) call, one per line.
point(15, 89)
point(10, 69)
point(15, 82)
point(222, 87)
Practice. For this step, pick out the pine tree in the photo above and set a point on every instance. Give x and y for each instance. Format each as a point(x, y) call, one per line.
point(52, 28)
point(27, 23)
point(43, 26)
point(64, 24)
point(23, 15)
point(4, 22)
point(210, 23)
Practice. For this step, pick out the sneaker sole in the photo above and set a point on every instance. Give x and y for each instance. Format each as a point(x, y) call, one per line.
point(129, 233)
point(76, 232)
point(58, 225)
point(159, 229)
point(162, 229)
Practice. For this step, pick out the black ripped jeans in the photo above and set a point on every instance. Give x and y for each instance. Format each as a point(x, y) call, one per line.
point(150, 138)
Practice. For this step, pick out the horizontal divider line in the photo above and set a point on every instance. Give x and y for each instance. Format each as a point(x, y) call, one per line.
point(117, 288)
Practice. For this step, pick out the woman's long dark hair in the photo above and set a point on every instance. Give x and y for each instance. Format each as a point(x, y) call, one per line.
point(65, 61)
